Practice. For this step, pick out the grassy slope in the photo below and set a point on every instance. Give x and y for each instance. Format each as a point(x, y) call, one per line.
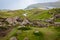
point(6, 14)
point(43, 15)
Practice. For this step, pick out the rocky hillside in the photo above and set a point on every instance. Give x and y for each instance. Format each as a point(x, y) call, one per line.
point(30, 16)
point(13, 22)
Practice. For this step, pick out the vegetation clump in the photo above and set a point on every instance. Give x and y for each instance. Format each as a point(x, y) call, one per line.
point(38, 33)
point(24, 28)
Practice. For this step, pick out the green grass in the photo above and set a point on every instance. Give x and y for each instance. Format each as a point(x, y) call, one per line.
point(48, 34)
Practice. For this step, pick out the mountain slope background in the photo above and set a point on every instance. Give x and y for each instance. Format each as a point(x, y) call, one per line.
point(45, 5)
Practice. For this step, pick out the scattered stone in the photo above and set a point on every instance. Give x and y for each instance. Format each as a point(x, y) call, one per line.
point(21, 26)
point(13, 38)
point(36, 31)
point(56, 23)
point(19, 32)
point(25, 14)
point(26, 38)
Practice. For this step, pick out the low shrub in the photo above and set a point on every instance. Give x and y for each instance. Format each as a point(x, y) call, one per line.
point(24, 28)
point(39, 35)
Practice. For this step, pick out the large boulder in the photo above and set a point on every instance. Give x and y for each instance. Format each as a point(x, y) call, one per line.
point(12, 20)
point(26, 22)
